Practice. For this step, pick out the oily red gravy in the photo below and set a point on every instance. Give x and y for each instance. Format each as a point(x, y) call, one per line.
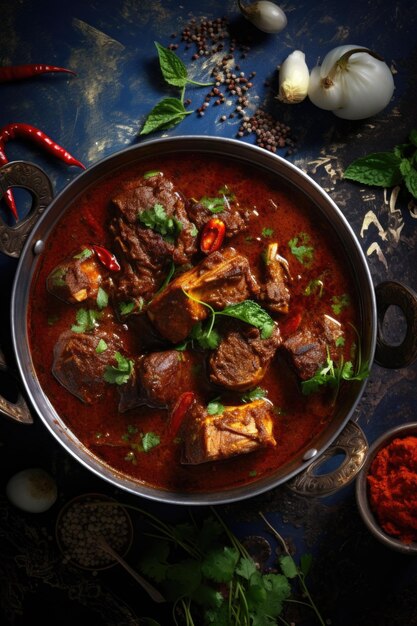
point(125, 346)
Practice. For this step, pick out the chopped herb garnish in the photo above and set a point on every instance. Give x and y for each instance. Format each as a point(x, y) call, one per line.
point(340, 342)
point(149, 441)
point(87, 320)
point(218, 203)
point(207, 337)
point(215, 407)
point(128, 307)
point(57, 277)
point(254, 394)
point(102, 298)
point(151, 174)
point(168, 277)
point(119, 374)
point(267, 232)
point(101, 346)
point(331, 374)
point(314, 286)
point(300, 249)
point(339, 303)
point(84, 254)
point(193, 230)
point(157, 219)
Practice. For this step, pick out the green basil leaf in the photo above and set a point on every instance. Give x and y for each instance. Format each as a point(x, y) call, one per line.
point(252, 313)
point(380, 168)
point(172, 68)
point(167, 113)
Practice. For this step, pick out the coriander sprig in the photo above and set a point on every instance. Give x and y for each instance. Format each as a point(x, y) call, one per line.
point(170, 111)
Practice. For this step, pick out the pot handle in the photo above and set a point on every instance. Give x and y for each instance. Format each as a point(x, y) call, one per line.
point(34, 179)
point(395, 293)
point(19, 410)
point(353, 444)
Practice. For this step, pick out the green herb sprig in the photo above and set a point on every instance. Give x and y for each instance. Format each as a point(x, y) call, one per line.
point(170, 111)
point(331, 374)
point(119, 374)
point(247, 311)
point(388, 169)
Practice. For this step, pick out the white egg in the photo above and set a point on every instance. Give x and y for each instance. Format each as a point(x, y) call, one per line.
point(32, 490)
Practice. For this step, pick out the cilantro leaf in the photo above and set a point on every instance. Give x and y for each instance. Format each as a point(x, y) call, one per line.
point(215, 408)
point(267, 232)
point(219, 564)
point(246, 568)
point(101, 346)
point(83, 255)
point(157, 219)
point(167, 113)
point(254, 394)
point(340, 302)
point(288, 566)
point(150, 440)
point(331, 374)
point(120, 374)
point(87, 320)
point(102, 298)
point(300, 249)
point(207, 337)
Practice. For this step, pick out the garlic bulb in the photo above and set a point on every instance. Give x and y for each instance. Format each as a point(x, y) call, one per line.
point(265, 15)
point(353, 82)
point(294, 78)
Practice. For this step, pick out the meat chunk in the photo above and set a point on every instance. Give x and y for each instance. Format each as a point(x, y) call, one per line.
point(242, 358)
point(275, 294)
point(238, 430)
point(308, 348)
point(164, 376)
point(231, 213)
point(80, 367)
point(223, 278)
point(151, 230)
point(76, 279)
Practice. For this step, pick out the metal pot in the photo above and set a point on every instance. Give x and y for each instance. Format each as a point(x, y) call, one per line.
point(29, 239)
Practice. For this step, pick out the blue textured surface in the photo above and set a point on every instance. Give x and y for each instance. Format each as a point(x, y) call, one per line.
point(110, 45)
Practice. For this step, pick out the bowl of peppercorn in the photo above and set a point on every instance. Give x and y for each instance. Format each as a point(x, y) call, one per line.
point(386, 489)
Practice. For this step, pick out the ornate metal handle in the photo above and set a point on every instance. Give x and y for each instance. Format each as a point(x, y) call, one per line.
point(394, 293)
point(19, 410)
point(352, 442)
point(32, 178)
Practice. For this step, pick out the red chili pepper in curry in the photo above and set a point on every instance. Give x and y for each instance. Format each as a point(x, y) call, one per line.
point(212, 236)
point(180, 409)
point(107, 258)
point(17, 130)
point(20, 72)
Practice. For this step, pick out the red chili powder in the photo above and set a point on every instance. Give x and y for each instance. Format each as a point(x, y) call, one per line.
point(392, 482)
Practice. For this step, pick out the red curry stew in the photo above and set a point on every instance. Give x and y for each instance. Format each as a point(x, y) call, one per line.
point(182, 320)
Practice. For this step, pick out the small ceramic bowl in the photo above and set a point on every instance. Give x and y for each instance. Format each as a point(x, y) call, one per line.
point(362, 490)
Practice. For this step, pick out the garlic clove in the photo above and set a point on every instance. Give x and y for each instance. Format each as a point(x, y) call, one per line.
point(32, 490)
point(265, 15)
point(294, 78)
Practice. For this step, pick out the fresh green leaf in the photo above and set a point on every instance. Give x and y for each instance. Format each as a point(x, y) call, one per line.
point(167, 278)
point(101, 346)
point(300, 249)
point(102, 298)
point(157, 219)
point(185, 578)
point(167, 113)
point(87, 320)
point(314, 286)
point(267, 232)
point(84, 254)
point(208, 338)
point(246, 568)
point(207, 596)
point(340, 302)
point(254, 394)
point(214, 205)
point(381, 169)
point(172, 68)
point(154, 560)
point(331, 374)
point(288, 566)
point(219, 565)
point(58, 277)
point(410, 180)
point(119, 374)
point(305, 563)
point(151, 174)
point(215, 408)
point(252, 313)
point(150, 440)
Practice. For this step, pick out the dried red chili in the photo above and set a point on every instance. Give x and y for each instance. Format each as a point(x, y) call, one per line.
point(107, 258)
point(20, 72)
point(17, 129)
point(179, 411)
point(212, 235)
point(392, 482)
